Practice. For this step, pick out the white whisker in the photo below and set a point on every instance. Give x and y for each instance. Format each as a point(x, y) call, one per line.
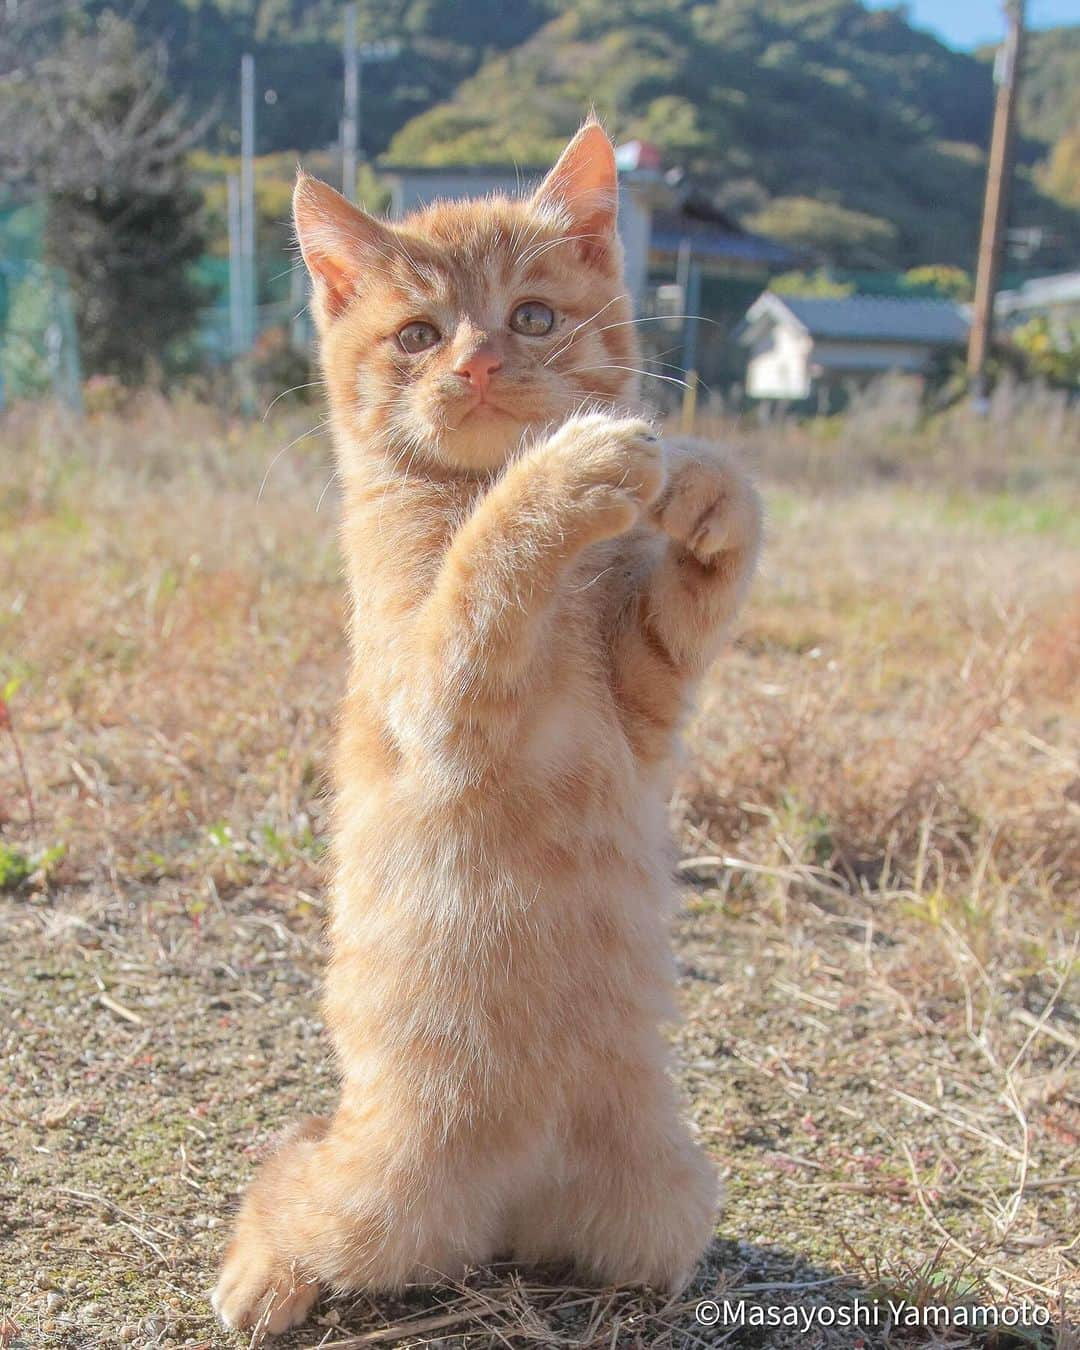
point(578, 327)
point(312, 431)
point(325, 490)
point(659, 318)
point(311, 384)
point(534, 253)
point(634, 370)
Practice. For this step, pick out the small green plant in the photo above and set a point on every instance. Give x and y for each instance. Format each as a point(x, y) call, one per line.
point(46, 863)
point(15, 868)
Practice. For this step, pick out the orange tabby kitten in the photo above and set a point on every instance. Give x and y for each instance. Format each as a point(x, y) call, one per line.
point(536, 582)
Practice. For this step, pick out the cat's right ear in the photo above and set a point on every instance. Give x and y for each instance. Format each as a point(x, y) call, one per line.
point(338, 240)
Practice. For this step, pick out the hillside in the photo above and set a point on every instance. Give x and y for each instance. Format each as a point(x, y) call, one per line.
point(815, 120)
point(1050, 110)
point(297, 47)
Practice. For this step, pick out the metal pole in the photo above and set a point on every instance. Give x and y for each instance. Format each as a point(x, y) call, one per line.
point(247, 198)
point(692, 298)
point(995, 210)
point(236, 279)
point(350, 126)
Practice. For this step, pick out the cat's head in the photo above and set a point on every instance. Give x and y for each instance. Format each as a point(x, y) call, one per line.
point(452, 335)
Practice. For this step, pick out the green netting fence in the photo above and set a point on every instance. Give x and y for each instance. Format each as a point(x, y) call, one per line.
point(39, 348)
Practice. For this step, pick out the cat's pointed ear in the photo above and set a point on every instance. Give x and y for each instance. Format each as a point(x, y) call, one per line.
point(584, 184)
point(338, 240)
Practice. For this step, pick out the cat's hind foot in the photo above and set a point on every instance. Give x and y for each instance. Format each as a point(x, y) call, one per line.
point(257, 1285)
point(255, 1289)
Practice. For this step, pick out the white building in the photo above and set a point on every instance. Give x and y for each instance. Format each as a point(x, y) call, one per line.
point(801, 346)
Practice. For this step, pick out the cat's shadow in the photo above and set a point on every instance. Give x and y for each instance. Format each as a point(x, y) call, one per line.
point(744, 1294)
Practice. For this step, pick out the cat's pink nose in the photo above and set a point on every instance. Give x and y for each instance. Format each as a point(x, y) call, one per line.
point(478, 368)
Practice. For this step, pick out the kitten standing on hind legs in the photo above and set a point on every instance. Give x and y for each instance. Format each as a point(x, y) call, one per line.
point(535, 590)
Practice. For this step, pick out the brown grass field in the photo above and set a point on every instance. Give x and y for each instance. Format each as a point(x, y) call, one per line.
point(878, 835)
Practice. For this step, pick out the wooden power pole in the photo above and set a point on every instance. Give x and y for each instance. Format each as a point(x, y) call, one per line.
point(995, 210)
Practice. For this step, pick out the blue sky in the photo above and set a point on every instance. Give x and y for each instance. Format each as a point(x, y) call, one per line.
point(966, 23)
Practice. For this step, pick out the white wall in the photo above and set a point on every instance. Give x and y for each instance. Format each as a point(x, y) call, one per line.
point(779, 365)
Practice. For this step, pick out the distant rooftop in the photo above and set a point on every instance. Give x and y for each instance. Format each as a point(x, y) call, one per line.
point(1064, 288)
point(713, 235)
point(864, 318)
point(633, 159)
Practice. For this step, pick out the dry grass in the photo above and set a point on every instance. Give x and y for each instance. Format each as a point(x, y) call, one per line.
point(879, 833)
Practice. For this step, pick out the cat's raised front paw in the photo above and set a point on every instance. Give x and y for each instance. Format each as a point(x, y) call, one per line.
point(708, 505)
point(613, 466)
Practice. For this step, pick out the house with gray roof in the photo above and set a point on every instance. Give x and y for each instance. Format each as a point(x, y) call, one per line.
point(1055, 299)
point(803, 346)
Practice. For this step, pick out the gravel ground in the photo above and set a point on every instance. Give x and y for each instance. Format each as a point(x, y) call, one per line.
point(878, 835)
point(151, 1056)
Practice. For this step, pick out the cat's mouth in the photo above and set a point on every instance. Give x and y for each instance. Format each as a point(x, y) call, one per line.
point(480, 404)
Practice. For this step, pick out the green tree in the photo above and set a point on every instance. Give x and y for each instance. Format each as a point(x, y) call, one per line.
point(1052, 353)
point(952, 283)
point(1059, 175)
point(107, 147)
point(819, 283)
point(859, 239)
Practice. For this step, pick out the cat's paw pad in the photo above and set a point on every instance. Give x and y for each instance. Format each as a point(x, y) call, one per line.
point(612, 462)
point(255, 1290)
point(709, 506)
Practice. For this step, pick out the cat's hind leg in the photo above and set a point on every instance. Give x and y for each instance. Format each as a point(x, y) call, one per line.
point(631, 1200)
point(258, 1284)
point(340, 1205)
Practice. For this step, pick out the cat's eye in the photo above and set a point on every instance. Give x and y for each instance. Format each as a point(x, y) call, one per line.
point(418, 336)
point(533, 319)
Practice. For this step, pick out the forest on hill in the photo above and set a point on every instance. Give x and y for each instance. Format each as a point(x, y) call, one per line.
point(818, 121)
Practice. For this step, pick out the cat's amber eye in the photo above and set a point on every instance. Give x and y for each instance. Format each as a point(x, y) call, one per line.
point(533, 318)
point(418, 336)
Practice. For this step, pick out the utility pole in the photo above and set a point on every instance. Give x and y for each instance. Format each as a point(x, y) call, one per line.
point(995, 211)
point(236, 271)
point(350, 126)
point(357, 54)
point(688, 275)
point(247, 198)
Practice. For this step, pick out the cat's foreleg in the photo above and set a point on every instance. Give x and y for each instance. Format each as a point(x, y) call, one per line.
point(677, 618)
point(590, 480)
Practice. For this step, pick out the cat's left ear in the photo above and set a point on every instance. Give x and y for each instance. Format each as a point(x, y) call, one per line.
point(337, 239)
point(584, 184)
